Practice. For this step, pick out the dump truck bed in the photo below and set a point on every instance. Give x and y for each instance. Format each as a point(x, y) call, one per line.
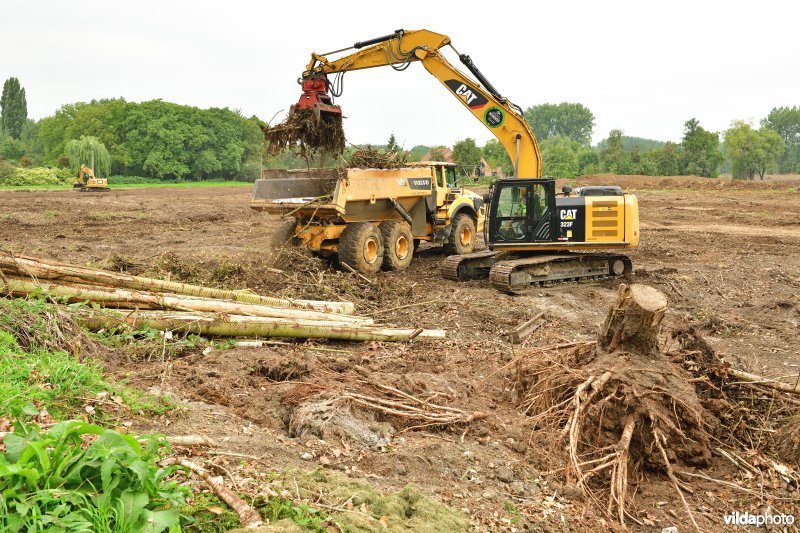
point(347, 194)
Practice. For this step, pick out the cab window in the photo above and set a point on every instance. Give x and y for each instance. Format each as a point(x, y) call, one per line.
point(450, 176)
point(438, 171)
point(512, 207)
point(539, 201)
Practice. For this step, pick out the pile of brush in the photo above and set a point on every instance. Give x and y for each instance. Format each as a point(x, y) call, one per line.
point(371, 158)
point(124, 301)
point(307, 132)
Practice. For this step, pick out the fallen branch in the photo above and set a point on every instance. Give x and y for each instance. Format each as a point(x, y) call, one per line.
point(247, 515)
point(190, 440)
point(356, 272)
point(764, 381)
point(525, 329)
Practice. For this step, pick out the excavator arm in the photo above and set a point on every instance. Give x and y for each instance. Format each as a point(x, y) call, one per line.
point(398, 50)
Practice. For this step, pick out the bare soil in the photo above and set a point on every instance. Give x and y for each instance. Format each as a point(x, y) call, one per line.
point(725, 253)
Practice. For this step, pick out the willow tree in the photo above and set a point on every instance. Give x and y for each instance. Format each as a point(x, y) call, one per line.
point(88, 151)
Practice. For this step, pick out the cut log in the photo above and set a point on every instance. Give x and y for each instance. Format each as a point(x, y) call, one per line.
point(40, 269)
point(525, 329)
point(246, 326)
point(133, 299)
point(633, 323)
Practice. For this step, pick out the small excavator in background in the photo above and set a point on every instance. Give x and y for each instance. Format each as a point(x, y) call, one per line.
point(534, 235)
point(87, 182)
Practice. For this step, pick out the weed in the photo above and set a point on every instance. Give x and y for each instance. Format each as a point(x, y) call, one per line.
point(300, 513)
point(142, 402)
point(209, 514)
point(513, 511)
point(80, 477)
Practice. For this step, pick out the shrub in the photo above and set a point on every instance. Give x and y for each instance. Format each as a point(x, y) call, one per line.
point(37, 176)
point(6, 169)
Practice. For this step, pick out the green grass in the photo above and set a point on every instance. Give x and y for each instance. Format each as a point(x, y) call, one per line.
point(55, 380)
point(38, 371)
point(187, 184)
point(205, 521)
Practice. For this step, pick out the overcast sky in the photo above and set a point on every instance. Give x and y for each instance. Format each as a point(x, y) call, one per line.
point(643, 67)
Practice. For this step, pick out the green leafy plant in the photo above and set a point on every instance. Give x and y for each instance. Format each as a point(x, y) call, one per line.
point(300, 513)
point(209, 514)
point(78, 477)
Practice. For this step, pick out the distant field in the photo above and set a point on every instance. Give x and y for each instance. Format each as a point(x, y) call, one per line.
point(188, 184)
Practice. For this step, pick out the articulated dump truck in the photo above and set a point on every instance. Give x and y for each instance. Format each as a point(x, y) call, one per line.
point(370, 218)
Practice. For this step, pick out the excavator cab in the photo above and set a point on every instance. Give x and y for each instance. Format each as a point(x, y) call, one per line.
point(521, 212)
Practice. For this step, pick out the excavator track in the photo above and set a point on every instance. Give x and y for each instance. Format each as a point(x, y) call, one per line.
point(469, 266)
point(512, 273)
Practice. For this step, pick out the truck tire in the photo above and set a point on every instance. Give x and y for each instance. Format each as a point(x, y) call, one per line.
point(281, 240)
point(283, 234)
point(398, 245)
point(361, 247)
point(462, 235)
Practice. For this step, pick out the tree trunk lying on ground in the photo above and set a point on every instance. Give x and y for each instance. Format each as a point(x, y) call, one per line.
point(247, 326)
point(40, 269)
point(198, 310)
point(132, 299)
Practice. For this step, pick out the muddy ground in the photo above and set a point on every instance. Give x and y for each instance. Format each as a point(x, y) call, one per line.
point(726, 254)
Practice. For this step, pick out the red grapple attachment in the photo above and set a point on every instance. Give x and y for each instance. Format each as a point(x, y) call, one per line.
point(315, 96)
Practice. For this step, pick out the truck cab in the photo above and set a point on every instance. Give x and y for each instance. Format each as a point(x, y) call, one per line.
point(449, 199)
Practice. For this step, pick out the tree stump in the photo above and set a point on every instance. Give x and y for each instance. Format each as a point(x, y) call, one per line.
point(633, 323)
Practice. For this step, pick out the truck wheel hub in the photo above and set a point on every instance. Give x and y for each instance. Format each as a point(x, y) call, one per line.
point(466, 236)
point(371, 250)
point(401, 247)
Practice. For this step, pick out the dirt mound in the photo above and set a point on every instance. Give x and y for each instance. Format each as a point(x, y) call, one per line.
point(359, 507)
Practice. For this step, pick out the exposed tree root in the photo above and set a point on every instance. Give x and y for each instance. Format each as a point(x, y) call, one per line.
point(306, 133)
point(627, 411)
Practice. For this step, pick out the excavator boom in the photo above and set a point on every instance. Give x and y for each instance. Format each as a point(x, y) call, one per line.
point(398, 50)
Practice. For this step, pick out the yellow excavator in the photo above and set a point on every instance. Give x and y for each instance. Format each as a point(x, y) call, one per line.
point(534, 235)
point(87, 182)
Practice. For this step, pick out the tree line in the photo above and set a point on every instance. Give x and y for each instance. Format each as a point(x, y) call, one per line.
point(565, 130)
point(154, 139)
point(170, 141)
